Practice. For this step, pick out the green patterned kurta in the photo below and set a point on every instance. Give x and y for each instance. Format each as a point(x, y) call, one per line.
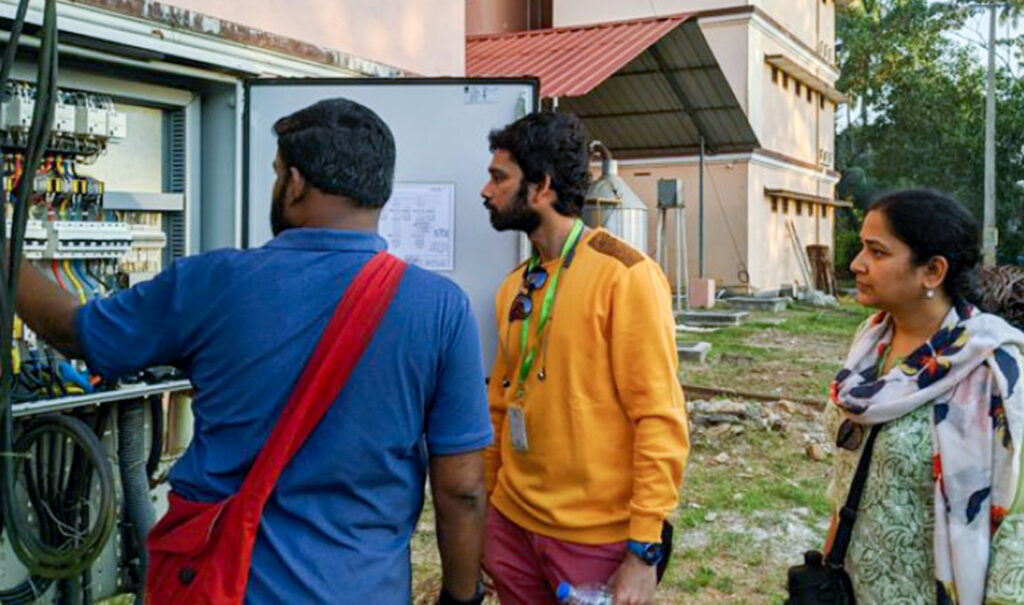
point(890, 557)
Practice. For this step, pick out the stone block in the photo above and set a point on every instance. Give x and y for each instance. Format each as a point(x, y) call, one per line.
point(693, 352)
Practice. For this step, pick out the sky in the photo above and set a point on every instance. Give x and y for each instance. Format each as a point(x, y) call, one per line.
point(974, 35)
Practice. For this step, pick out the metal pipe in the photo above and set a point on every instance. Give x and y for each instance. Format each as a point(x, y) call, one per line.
point(700, 217)
point(606, 156)
point(680, 257)
point(62, 404)
point(683, 256)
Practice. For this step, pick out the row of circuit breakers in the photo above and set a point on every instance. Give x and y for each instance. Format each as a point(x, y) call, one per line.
point(76, 114)
point(80, 231)
point(88, 249)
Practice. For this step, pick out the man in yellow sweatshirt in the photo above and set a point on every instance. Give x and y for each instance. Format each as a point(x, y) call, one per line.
point(589, 419)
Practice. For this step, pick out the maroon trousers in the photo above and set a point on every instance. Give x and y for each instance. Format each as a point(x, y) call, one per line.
point(527, 568)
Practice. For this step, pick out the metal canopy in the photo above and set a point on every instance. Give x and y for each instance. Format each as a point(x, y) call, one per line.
point(655, 97)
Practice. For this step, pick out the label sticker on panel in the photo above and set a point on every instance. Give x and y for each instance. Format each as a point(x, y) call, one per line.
point(479, 94)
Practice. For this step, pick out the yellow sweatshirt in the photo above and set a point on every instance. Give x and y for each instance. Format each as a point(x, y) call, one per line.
point(606, 427)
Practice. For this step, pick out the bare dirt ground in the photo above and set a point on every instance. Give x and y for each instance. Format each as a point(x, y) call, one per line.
point(754, 495)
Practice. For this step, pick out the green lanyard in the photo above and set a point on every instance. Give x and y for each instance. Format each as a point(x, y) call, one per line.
point(545, 310)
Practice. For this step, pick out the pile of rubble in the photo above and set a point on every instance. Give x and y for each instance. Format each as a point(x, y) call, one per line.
point(713, 419)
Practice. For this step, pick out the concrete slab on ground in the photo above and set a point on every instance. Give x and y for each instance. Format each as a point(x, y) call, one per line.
point(711, 318)
point(753, 303)
point(693, 351)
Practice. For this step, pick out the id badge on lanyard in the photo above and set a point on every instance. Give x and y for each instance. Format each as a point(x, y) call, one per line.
point(516, 413)
point(517, 428)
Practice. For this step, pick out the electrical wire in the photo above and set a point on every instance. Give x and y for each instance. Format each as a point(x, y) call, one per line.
point(12, 46)
point(72, 554)
point(90, 288)
point(55, 267)
point(743, 274)
point(62, 455)
point(82, 298)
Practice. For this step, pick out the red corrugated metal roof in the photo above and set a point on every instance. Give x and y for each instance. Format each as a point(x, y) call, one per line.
point(569, 61)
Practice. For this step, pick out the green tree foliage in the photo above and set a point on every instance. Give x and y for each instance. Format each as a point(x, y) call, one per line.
point(917, 111)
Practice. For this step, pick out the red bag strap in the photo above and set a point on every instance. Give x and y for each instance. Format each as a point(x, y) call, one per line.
point(350, 330)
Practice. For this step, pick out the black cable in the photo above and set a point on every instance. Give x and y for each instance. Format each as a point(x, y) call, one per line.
point(12, 47)
point(74, 554)
point(26, 593)
point(64, 456)
point(156, 446)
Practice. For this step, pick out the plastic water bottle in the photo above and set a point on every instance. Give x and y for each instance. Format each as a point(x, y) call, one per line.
point(590, 594)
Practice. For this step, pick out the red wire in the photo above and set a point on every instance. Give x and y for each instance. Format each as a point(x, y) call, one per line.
point(56, 273)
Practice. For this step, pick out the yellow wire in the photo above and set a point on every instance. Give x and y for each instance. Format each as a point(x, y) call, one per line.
point(71, 275)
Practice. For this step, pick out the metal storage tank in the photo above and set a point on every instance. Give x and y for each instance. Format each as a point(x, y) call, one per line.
point(611, 204)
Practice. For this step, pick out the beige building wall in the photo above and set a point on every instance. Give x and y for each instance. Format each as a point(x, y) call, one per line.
point(747, 241)
point(785, 122)
point(776, 261)
point(422, 37)
point(743, 232)
point(725, 210)
point(801, 17)
point(730, 42)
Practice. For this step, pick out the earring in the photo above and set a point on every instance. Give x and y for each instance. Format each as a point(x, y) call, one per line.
point(929, 293)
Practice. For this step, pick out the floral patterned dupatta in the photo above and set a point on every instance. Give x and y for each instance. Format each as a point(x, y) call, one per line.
point(969, 373)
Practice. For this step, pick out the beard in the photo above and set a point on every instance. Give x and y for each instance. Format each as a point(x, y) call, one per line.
point(278, 223)
point(518, 216)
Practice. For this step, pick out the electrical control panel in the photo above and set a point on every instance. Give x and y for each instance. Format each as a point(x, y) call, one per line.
point(89, 249)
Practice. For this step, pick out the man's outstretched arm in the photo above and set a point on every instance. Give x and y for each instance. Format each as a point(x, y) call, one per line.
point(460, 504)
point(48, 311)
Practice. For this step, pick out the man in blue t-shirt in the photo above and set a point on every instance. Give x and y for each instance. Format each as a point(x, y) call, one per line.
point(242, 325)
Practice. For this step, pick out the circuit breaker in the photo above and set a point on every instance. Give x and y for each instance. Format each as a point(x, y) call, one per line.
point(90, 249)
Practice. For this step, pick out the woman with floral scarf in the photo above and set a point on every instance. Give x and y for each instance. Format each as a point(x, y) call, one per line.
point(942, 515)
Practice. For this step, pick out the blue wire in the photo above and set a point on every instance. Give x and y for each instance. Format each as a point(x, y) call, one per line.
point(88, 285)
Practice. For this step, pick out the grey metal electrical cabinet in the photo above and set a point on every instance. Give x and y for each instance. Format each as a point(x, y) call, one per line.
point(440, 128)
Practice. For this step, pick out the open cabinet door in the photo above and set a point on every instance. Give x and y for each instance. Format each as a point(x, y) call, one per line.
point(435, 218)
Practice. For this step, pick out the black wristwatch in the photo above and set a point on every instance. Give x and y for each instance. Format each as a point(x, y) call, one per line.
point(447, 599)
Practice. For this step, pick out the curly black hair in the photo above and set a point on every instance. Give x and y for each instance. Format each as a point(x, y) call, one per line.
point(341, 148)
point(552, 144)
point(932, 224)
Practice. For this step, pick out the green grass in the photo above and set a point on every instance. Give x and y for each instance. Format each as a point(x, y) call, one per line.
point(764, 474)
point(796, 358)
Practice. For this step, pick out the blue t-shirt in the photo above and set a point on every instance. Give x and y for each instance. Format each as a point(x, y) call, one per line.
point(242, 325)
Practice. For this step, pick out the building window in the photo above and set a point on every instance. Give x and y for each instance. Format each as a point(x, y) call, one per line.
point(796, 87)
point(775, 204)
point(785, 205)
point(821, 101)
point(775, 75)
point(785, 80)
point(810, 96)
point(799, 208)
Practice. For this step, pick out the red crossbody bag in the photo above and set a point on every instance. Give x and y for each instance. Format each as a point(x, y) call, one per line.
point(199, 553)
